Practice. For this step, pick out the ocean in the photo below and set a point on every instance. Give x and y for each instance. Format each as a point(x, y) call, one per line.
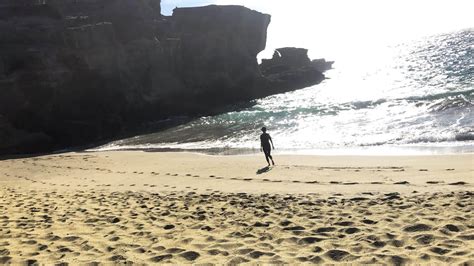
point(412, 97)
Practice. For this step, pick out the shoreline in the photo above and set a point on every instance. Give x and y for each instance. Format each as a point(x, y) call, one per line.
point(394, 150)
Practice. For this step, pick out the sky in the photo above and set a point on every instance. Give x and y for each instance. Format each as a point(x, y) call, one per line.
point(333, 27)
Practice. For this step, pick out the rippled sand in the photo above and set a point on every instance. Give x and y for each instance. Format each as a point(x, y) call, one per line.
point(186, 208)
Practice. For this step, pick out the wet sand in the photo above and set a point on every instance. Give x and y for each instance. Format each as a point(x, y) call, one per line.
point(190, 208)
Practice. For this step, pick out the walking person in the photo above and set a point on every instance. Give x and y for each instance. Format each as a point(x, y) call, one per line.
point(265, 141)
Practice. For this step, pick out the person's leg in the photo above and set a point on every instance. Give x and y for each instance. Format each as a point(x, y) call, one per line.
point(271, 158)
point(267, 154)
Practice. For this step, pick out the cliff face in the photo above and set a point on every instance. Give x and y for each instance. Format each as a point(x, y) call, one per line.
point(69, 74)
point(74, 72)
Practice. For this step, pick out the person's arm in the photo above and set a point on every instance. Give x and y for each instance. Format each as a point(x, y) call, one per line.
point(273, 147)
point(261, 144)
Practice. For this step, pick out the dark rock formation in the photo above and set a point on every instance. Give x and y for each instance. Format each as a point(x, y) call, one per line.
point(285, 59)
point(74, 72)
point(292, 69)
point(215, 55)
point(321, 64)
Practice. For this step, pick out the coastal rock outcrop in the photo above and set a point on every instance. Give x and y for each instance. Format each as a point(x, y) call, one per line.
point(290, 68)
point(74, 72)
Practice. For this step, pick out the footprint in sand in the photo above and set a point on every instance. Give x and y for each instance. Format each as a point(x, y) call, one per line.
point(440, 251)
point(344, 223)
point(417, 228)
point(160, 258)
point(190, 255)
point(339, 255)
point(324, 230)
point(140, 250)
point(169, 227)
point(402, 183)
point(466, 237)
point(350, 183)
point(368, 221)
point(425, 239)
point(460, 183)
point(215, 252)
point(452, 228)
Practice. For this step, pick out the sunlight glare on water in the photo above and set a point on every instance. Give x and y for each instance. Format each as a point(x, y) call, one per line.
point(413, 94)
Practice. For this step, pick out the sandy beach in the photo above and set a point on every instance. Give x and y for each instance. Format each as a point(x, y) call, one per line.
point(140, 207)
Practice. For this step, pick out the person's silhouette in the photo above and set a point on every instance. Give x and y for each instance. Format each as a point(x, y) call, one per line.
point(265, 141)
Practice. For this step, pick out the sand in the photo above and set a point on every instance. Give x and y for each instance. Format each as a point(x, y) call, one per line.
point(138, 207)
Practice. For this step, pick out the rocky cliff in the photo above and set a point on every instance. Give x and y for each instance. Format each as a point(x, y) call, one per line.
point(73, 72)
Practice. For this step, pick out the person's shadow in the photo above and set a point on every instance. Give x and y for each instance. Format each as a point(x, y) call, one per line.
point(263, 170)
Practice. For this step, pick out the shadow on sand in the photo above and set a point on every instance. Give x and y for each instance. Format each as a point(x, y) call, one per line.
point(263, 170)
